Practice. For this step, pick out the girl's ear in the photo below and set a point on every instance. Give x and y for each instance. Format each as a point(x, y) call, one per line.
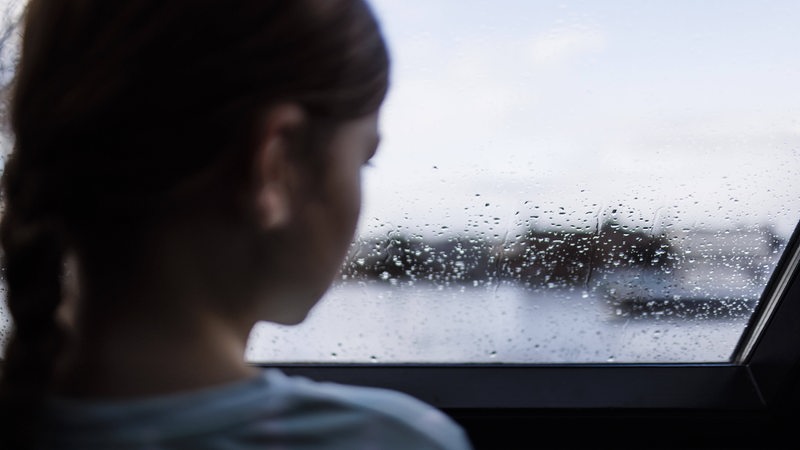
point(273, 167)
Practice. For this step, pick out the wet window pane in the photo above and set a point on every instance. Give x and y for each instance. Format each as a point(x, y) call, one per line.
point(567, 182)
point(596, 181)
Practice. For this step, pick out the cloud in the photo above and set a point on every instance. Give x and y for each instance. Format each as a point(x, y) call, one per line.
point(561, 46)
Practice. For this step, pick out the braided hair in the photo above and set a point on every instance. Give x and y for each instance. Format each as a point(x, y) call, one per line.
point(126, 112)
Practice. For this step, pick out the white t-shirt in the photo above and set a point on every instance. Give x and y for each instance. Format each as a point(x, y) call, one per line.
point(272, 411)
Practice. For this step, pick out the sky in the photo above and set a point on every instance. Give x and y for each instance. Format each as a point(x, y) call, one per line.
point(510, 114)
point(516, 113)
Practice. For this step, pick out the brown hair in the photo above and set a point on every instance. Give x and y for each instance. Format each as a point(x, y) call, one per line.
point(124, 111)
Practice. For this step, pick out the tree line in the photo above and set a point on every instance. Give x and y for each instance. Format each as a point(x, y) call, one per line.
point(536, 257)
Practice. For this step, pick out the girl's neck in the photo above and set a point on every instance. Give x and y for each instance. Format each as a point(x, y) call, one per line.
point(127, 352)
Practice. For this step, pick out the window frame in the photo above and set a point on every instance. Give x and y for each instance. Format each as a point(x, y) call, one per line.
point(757, 388)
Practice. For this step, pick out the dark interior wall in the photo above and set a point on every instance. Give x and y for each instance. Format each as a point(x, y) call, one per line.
point(509, 430)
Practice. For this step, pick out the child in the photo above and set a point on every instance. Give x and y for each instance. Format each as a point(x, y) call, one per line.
point(182, 170)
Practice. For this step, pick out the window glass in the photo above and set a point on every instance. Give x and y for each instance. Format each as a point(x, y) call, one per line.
point(9, 45)
point(568, 182)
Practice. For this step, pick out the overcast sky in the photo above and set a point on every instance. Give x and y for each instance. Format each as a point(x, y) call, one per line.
point(686, 113)
point(505, 114)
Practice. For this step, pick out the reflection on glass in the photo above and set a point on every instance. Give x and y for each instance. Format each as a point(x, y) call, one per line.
point(568, 182)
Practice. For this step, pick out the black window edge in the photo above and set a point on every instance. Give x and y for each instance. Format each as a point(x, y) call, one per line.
point(761, 381)
point(774, 362)
point(554, 386)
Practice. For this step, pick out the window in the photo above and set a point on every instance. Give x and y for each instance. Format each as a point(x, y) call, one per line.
point(581, 226)
point(568, 182)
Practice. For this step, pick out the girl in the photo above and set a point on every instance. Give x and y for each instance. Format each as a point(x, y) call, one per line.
point(182, 170)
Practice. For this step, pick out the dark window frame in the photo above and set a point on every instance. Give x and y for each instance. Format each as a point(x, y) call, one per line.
point(748, 403)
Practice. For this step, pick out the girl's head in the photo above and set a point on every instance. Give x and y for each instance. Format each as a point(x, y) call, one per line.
point(211, 143)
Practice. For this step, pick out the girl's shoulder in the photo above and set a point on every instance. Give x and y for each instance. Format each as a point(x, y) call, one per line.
point(270, 409)
point(374, 410)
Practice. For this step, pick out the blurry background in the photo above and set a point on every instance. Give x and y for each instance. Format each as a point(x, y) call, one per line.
point(568, 181)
